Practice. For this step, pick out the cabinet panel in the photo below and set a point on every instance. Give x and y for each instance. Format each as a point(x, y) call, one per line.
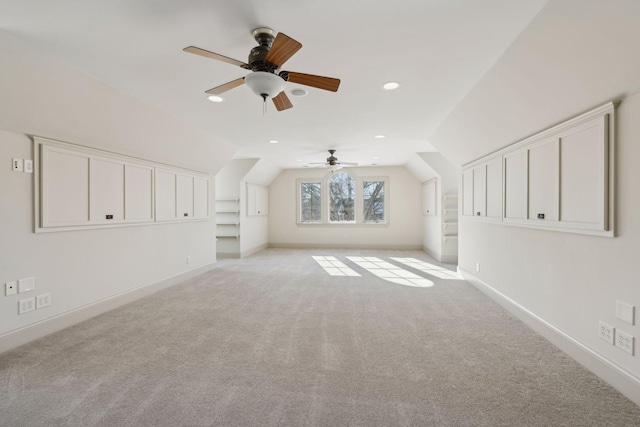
point(165, 195)
point(107, 190)
point(429, 198)
point(582, 179)
point(138, 191)
point(543, 181)
point(494, 188)
point(184, 195)
point(200, 197)
point(467, 193)
point(515, 185)
point(65, 187)
point(480, 191)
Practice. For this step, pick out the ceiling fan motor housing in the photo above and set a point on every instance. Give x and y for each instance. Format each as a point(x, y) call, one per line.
point(257, 56)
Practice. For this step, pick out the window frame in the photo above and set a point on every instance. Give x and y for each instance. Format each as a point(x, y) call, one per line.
point(324, 182)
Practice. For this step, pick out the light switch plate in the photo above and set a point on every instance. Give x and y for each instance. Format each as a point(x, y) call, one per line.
point(625, 312)
point(26, 285)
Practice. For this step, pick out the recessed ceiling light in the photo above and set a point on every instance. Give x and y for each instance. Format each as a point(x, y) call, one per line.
point(273, 141)
point(391, 85)
point(215, 98)
point(299, 92)
point(379, 136)
point(375, 157)
point(298, 160)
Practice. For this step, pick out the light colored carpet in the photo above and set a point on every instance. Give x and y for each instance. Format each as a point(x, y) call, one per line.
point(273, 340)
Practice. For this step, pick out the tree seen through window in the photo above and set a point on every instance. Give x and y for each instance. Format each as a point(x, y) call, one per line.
point(342, 194)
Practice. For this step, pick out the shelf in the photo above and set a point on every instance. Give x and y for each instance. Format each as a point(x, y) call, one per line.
point(236, 223)
point(445, 239)
point(447, 211)
point(446, 225)
point(449, 197)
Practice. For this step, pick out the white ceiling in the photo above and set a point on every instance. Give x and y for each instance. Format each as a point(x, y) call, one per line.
point(436, 49)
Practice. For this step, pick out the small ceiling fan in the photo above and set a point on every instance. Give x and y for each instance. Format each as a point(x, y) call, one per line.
point(267, 80)
point(333, 161)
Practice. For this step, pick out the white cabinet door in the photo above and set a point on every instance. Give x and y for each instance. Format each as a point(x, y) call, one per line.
point(494, 188)
point(583, 177)
point(480, 191)
point(515, 185)
point(107, 190)
point(138, 192)
point(257, 200)
point(184, 194)
point(165, 195)
point(543, 181)
point(467, 193)
point(429, 198)
point(200, 197)
point(65, 187)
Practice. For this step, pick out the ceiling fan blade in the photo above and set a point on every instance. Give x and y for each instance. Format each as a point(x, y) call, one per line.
point(218, 90)
point(282, 49)
point(348, 163)
point(282, 102)
point(320, 82)
point(212, 55)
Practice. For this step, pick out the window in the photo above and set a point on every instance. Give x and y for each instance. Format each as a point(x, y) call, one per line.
point(373, 198)
point(342, 198)
point(310, 202)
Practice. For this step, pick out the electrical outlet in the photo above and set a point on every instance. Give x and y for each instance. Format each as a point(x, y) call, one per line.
point(16, 165)
point(606, 332)
point(477, 266)
point(624, 342)
point(624, 311)
point(43, 300)
point(28, 166)
point(188, 260)
point(10, 288)
point(26, 305)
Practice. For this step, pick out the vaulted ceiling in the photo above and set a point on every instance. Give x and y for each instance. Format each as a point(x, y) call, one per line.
point(436, 49)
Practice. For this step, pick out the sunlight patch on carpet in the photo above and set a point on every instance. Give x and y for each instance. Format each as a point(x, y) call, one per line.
point(334, 267)
point(434, 270)
point(390, 272)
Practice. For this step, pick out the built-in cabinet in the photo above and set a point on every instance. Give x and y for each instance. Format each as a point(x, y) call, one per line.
point(429, 197)
point(80, 187)
point(559, 179)
point(257, 200)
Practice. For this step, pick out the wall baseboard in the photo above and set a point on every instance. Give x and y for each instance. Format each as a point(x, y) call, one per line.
point(343, 246)
point(622, 380)
point(254, 250)
point(25, 334)
point(446, 259)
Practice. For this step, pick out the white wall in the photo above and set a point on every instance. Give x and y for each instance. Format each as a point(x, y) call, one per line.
point(403, 200)
point(576, 55)
point(42, 96)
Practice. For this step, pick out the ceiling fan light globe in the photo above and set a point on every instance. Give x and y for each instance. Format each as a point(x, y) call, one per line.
point(263, 83)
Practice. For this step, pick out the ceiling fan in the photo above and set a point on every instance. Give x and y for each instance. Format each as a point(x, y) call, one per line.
point(267, 79)
point(333, 161)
